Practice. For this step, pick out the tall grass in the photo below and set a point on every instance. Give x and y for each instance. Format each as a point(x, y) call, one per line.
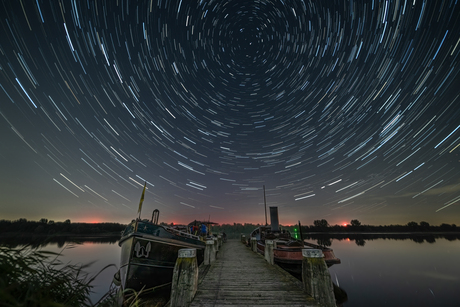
point(30, 277)
point(37, 278)
point(153, 297)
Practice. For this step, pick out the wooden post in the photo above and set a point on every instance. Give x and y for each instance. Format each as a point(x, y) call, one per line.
point(316, 278)
point(209, 253)
point(269, 251)
point(254, 244)
point(185, 278)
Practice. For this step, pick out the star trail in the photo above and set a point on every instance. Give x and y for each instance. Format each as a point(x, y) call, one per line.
point(342, 109)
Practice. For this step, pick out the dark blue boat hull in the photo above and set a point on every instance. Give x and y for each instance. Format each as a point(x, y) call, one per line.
point(149, 253)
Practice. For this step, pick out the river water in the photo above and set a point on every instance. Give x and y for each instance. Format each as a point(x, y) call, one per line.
point(98, 256)
point(387, 272)
point(378, 272)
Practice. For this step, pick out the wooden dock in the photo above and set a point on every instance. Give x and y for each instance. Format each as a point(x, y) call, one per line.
point(240, 277)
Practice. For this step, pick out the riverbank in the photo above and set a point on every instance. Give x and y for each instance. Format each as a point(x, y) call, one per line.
point(13, 239)
point(73, 235)
point(415, 233)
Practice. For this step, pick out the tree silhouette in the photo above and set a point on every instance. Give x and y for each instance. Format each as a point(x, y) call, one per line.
point(355, 223)
point(321, 223)
point(424, 225)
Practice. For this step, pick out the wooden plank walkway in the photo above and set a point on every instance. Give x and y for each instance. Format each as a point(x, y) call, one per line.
point(240, 277)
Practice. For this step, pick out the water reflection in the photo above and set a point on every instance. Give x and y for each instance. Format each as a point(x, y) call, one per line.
point(380, 270)
point(376, 269)
point(61, 241)
point(360, 239)
point(360, 242)
point(97, 253)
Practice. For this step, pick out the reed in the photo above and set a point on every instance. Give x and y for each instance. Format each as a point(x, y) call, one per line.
point(31, 277)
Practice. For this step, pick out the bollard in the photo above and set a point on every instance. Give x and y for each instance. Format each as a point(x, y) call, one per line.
point(209, 253)
point(269, 251)
point(216, 249)
point(185, 278)
point(243, 239)
point(219, 241)
point(316, 278)
point(254, 244)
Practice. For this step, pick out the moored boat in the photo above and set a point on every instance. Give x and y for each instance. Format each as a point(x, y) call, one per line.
point(149, 251)
point(287, 251)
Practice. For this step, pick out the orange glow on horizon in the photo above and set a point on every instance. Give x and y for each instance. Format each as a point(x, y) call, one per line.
point(88, 221)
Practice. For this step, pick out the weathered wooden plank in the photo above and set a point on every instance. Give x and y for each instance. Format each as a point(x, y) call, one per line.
point(250, 305)
point(240, 277)
point(225, 294)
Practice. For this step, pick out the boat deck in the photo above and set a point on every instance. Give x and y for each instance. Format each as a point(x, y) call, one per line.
point(240, 277)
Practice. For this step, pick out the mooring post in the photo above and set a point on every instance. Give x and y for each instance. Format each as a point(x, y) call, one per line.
point(216, 244)
point(185, 278)
point(243, 239)
point(254, 244)
point(316, 278)
point(269, 251)
point(209, 253)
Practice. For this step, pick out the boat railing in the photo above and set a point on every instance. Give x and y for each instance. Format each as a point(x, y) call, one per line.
point(316, 246)
point(181, 233)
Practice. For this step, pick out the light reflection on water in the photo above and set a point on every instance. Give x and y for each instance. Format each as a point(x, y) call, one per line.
point(383, 272)
point(398, 272)
point(98, 255)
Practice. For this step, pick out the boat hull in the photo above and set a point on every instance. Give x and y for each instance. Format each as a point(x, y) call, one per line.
point(148, 259)
point(290, 258)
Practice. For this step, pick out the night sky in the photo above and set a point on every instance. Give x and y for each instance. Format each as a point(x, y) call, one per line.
point(342, 109)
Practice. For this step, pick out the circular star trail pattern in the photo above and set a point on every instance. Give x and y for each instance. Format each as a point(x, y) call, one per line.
point(342, 109)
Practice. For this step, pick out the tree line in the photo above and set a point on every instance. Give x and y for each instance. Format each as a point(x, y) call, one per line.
point(356, 226)
point(50, 227)
point(322, 226)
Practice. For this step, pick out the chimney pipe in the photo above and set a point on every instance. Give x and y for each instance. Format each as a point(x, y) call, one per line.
point(274, 219)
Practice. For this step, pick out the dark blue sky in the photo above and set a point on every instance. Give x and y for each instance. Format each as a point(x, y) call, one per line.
point(342, 109)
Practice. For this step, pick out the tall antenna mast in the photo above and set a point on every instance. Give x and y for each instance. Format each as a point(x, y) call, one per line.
point(265, 204)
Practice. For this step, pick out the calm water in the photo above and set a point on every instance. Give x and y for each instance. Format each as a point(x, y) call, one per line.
point(383, 272)
point(398, 272)
point(99, 255)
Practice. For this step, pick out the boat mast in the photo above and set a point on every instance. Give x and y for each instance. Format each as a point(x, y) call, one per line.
point(300, 232)
point(141, 201)
point(265, 204)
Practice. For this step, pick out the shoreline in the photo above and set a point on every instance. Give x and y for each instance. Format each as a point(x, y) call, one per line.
point(112, 235)
point(55, 235)
point(386, 233)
